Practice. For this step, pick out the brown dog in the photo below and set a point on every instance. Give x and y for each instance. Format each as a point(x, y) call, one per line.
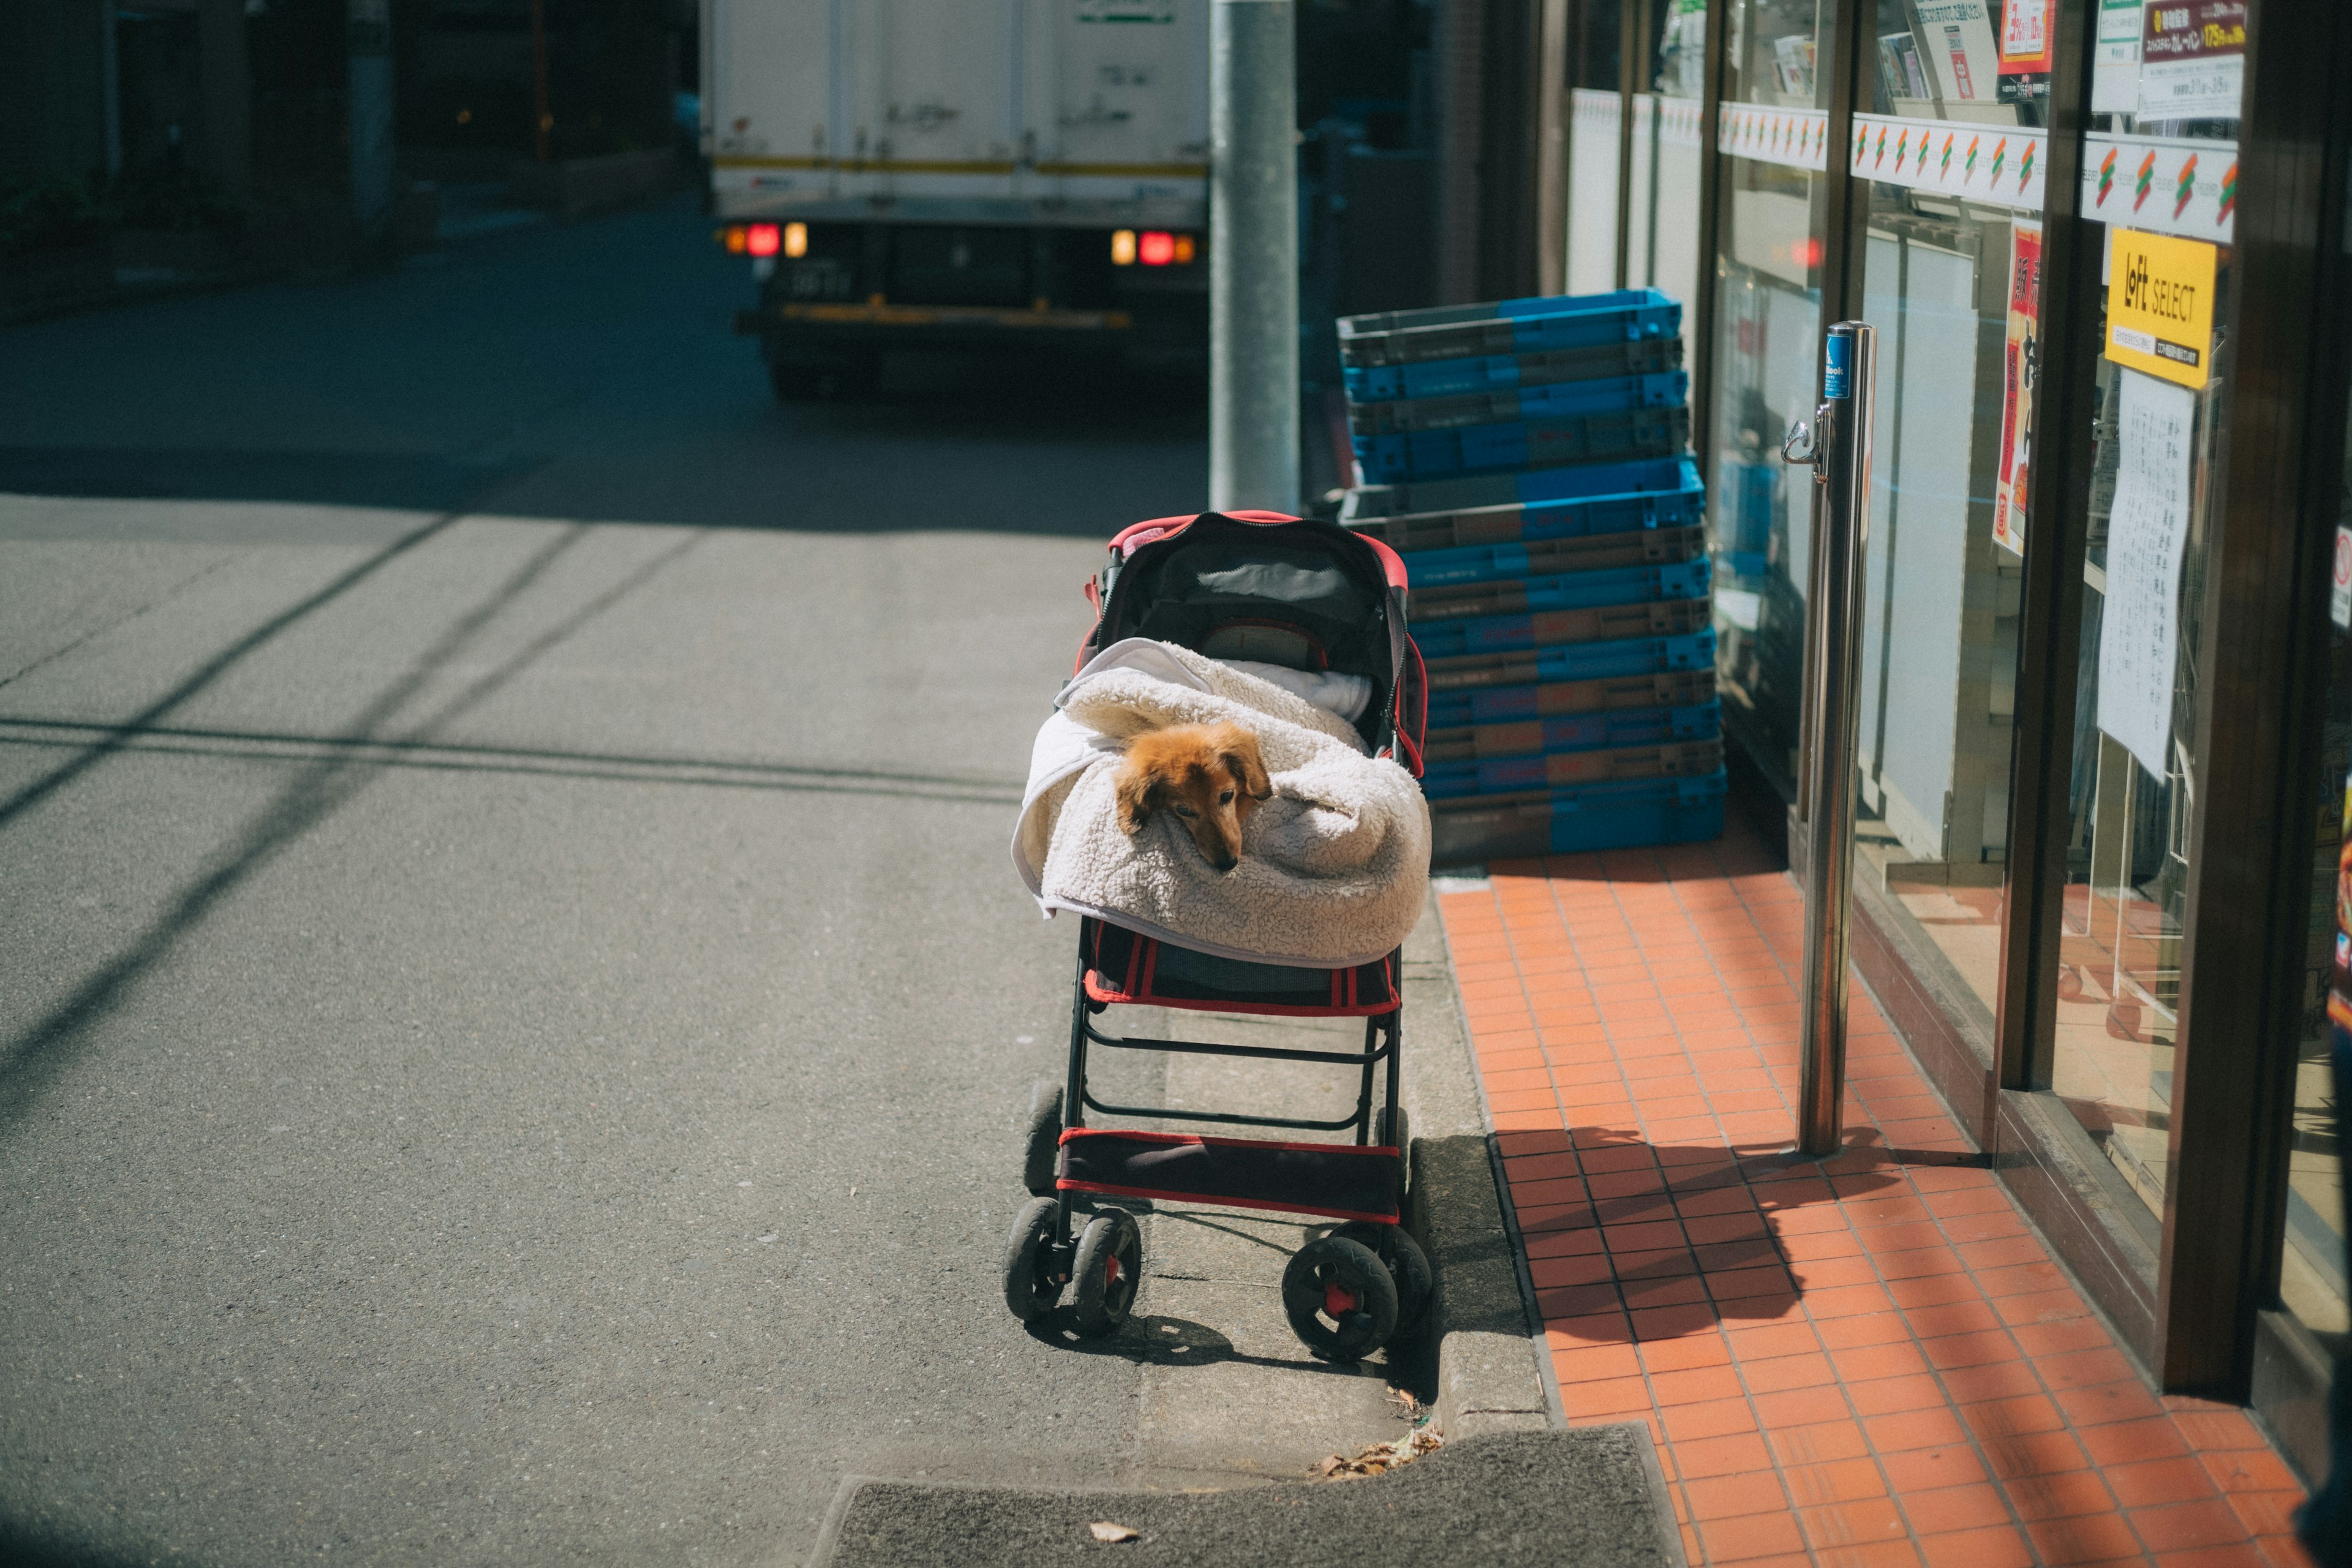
point(1208, 774)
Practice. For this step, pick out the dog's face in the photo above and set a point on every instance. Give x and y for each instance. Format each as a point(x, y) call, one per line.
point(1207, 775)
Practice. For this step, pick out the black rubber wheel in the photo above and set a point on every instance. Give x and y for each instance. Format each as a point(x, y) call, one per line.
point(1340, 1299)
point(1409, 1270)
point(1106, 1271)
point(1044, 1147)
point(1030, 1290)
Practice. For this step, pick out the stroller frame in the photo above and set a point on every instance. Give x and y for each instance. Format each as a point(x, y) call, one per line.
point(1347, 1292)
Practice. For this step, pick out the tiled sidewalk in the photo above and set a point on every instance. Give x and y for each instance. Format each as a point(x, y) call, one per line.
point(1870, 1360)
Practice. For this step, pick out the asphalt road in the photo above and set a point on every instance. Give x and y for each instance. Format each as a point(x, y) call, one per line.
point(512, 994)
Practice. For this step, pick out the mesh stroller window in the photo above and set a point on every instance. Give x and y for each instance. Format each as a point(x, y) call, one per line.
point(1220, 574)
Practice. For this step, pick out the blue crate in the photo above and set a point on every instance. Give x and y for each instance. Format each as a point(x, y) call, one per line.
point(1575, 732)
point(1510, 327)
point(1577, 661)
point(1571, 770)
point(1508, 371)
point(1585, 617)
point(1666, 390)
point(1446, 574)
point(1612, 436)
point(1683, 689)
point(1671, 483)
point(1584, 589)
point(1423, 536)
point(1618, 814)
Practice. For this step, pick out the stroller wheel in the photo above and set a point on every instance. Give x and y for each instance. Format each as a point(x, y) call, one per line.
point(1029, 1288)
point(1045, 1144)
point(1408, 1269)
point(1106, 1271)
point(1339, 1299)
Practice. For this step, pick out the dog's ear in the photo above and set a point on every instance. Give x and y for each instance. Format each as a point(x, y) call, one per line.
point(1238, 750)
point(1136, 787)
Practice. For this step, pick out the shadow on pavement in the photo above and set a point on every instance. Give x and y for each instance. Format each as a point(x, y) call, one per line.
point(1655, 1241)
point(318, 790)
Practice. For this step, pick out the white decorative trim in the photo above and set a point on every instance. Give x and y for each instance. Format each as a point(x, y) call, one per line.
point(1793, 138)
point(2002, 165)
point(1679, 119)
point(2165, 184)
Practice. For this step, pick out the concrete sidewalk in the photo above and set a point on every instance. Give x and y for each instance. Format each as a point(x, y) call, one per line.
point(1870, 1360)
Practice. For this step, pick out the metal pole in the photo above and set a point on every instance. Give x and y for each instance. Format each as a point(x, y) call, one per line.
point(1252, 257)
point(1832, 701)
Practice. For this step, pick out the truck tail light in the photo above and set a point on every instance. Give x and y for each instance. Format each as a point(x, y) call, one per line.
point(795, 240)
point(1122, 248)
point(763, 240)
point(1155, 247)
point(733, 237)
point(1183, 250)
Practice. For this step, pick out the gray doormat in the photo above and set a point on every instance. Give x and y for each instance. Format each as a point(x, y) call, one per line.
point(1521, 1499)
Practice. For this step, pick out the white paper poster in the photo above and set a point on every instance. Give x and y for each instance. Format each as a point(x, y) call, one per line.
point(2140, 636)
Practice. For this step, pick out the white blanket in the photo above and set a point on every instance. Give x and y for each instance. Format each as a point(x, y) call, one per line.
point(1333, 868)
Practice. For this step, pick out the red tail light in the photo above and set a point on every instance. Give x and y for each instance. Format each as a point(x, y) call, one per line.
point(764, 240)
point(1155, 247)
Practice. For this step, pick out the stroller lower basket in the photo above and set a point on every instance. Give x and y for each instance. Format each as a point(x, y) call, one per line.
point(1346, 1293)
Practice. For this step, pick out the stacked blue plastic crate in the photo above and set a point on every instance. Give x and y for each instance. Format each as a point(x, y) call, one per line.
point(1531, 461)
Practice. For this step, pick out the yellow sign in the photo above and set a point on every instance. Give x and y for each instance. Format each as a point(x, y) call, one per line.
point(2161, 305)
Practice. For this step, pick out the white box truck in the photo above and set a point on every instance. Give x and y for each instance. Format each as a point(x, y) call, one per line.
point(960, 173)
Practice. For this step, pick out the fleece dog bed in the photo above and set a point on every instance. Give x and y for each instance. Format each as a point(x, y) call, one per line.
point(1333, 868)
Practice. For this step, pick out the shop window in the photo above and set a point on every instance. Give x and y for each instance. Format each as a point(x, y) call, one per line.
point(1948, 143)
point(1596, 112)
point(2159, 169)
point(2312, 1262)
point(1662, 235)
point(1770, 242)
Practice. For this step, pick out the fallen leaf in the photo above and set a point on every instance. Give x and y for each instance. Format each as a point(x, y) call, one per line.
point(1106, 1530)
point(1380, 1458)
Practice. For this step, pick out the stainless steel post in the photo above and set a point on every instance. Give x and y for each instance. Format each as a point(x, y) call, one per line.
point(1252, 256)
point(1833, 710)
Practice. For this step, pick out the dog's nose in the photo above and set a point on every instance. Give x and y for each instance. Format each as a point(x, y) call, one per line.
point(1225, 862)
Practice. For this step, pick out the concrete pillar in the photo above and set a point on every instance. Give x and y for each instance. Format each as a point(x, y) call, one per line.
point(1252, 256)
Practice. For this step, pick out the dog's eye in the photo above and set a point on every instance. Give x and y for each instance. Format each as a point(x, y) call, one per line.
point(1227, 798)
point(1184, 811)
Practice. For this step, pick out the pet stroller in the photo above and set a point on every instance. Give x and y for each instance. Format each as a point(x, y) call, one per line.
point(1309, 596)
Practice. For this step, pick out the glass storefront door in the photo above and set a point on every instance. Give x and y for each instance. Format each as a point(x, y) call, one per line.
point(2159, 174)
point(2312, 1284)
point(1662, 239)
point(1596, 112)
point(1951, 146)
point(1773, 187)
